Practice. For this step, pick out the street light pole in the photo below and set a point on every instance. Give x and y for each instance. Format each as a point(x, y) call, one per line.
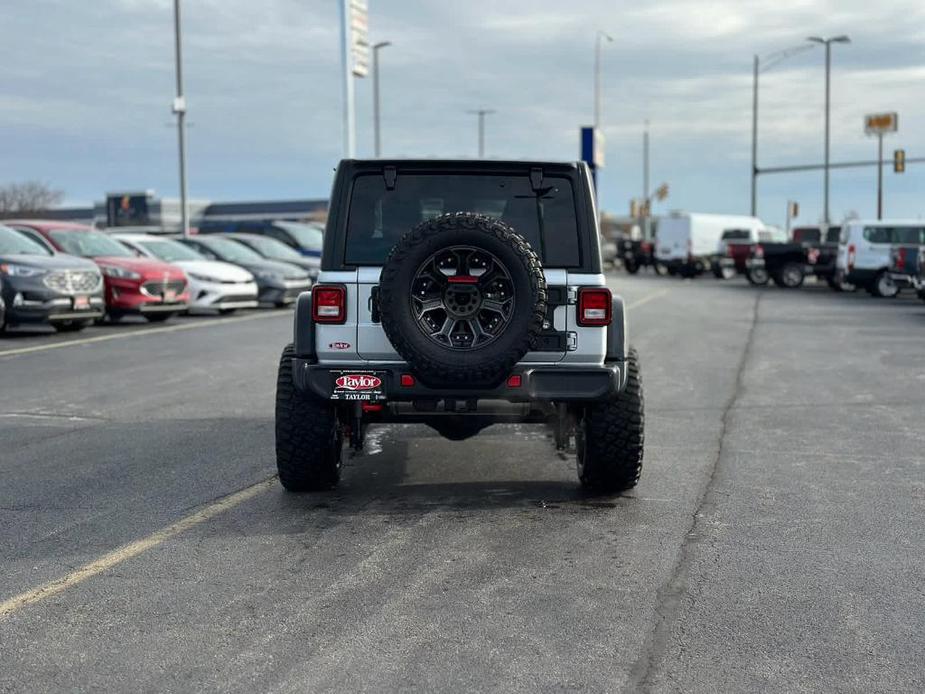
point(349, 112)
point(755, 137)
point(376, 134)
point(597, 75)
point(770, 61)
point(179, 108)
point(645, 181)
point(879, 175)
point(481, 113)
point(827, 42)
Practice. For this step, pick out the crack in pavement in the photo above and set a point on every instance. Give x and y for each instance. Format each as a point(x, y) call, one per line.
point(669, 595)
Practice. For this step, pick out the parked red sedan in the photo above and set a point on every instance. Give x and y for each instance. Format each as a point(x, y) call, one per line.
point(134, 285)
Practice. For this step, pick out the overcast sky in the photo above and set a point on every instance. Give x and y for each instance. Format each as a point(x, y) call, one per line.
point(86, 87)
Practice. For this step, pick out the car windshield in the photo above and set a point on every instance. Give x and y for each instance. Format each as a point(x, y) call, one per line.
point(14, 243)
point(270, 248)
point(231, 250)
point(379, 215)
point(170, 251)
point(307, 236)
point(736, 235)
point(89, 244)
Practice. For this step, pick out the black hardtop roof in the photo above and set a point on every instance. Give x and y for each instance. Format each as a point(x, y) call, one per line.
point(462, 164)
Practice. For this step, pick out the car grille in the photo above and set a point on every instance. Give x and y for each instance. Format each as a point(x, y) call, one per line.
point(73, 281)
point(158, 287)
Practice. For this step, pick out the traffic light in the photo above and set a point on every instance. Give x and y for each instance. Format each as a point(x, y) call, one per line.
point(793, 209)
point(899, 160)
point(634, 208)
point(662, 191)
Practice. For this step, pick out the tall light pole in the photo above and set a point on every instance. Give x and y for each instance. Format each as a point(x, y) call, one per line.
point(179, 108)
point(481, 113)
point(376, 135)
point(769, 61)
point(827, 42)
point(597, 75)
point(645, 180)
point(645, 162)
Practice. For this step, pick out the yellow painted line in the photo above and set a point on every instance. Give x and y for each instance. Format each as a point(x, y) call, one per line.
point(138, 333)
point(133, 549)
point(646, 299)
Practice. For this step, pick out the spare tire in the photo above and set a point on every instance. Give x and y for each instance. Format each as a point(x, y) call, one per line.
point(462, 298)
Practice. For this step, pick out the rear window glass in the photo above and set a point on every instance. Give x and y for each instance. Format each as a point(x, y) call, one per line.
point(378, 217)
point(807, 235)
point(898, 234)
point(913, 235)
point(832, 235)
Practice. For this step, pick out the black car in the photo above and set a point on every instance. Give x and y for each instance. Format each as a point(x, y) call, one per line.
point(271, 249)
point(305, 239)
point(39, 286)
point(277, 283)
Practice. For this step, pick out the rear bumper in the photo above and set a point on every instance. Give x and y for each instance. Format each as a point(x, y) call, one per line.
point(537, 383)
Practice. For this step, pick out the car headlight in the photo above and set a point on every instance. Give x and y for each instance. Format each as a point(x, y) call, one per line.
point(204, 278)
point(119, 273)
point(269, 276)
point(21, 270)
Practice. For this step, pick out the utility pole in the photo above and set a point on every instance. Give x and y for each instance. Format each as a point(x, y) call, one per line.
point(827, 42)
point(481, 113)
point(378, 140)
point(179, 108)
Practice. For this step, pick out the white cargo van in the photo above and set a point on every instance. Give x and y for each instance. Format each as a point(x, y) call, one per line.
point(864, 252)
point(687, 242)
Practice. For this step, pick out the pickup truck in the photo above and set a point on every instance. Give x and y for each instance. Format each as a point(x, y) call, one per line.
point(811, 252)
point(460, 294)
point(735, 248)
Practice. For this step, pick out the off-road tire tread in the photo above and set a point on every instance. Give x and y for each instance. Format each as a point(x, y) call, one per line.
point(614, 436)
point(492, 369)
point(305, 458)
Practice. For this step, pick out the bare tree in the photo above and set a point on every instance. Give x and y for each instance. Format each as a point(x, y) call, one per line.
point(28, 198)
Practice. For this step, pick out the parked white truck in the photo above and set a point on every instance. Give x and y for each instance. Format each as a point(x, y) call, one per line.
point(687, 242)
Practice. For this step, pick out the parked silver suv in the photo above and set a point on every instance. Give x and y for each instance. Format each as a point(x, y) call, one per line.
point(460, 294)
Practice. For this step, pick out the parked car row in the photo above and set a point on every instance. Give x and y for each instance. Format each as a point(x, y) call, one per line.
point(70, 275)
point(881, 256)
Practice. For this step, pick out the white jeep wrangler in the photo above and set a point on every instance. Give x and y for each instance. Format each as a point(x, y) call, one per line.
point(460, 294)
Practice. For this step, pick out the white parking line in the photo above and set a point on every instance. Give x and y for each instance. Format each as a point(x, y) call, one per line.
point(138, 333)
point(646, 299)
point(133, 549)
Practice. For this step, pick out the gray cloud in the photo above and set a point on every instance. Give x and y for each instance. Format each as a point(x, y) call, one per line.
point(85, 90)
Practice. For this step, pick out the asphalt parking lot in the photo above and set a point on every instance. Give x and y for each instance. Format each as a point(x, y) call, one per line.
point(774, 543)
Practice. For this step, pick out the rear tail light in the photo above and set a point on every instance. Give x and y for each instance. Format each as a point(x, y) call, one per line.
point(514, 381)
point(594, 306)
point(759, 251)
point(329, 303)
point(901, 259)
point(852, 254)
point(407, 380)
